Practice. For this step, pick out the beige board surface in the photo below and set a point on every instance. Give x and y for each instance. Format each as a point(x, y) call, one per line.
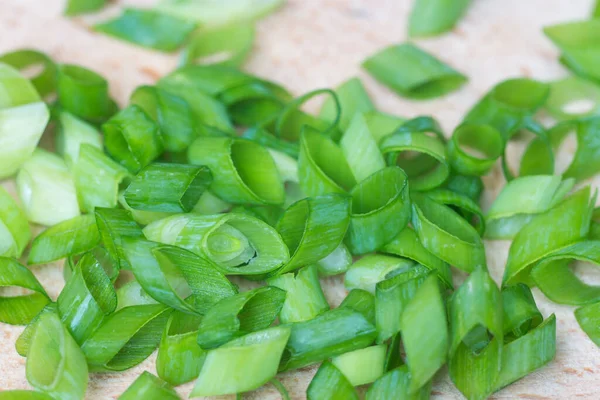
point(311, 44)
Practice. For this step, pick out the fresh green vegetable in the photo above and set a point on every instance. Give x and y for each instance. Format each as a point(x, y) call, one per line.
point(432, 17)
point(44, 81)
point(227, 45)
point(14, 228)
point(330, 383)
point(148, 386)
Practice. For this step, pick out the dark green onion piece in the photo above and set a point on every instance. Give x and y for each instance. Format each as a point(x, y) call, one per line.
point(476, 335)
point(132, 138)
point(14, 227)
point(240, 314)
point(362, 366)
point(45, 81)
point(322, 166)
point(232, 368)
point(568, 93)
point(172, 114)
point(148, 28)
point(227, 45)
point(84, 93)
point(87, 298)
point(304, 298)
point(330, 334)
point(238, 244)
point(521, 200)
point(114, 225)
point(22, 308)
point(566, 223)
point(520, 313)
point(432, 17)
point(380, 210)
point(588, 318)
point(463, 204)
point(125, 338)
point(97, 178)
point(447, 235)
point(173, 188)
point(267, 139)
point(312, 228)
point(149, 387)
point(353, 99)
point(361, 301)
point(180, 358)
point(470, 186)
point(367, 271)
point(413, 73)
point(55, 364)
point(243, 171)
point(70, 237)
point(557, 281)
point(470, 138)
point(395, 384)
point(330, 383)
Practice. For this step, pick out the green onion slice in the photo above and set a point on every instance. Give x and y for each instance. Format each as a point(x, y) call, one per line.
point(396, 383)
point(353, 99)
point(432, 17)
point(75, 7)
point(336, 262)
point(148, 28)
point(132, 294)
point(330, 383)
point(520, 313)
point(148, 386)
point(521, 200)
point(330, 334)
point(360, 149)
point(23, 342)
point(322, 166)
point(16, 89)
point(238, 244)
point(227, 45)
point(180, 358)
point(232, 368)
point(114, 225)
point(382, 124)
point(463, 204)
point(14, 227)
point(573, 97)
point(312, 228)
point(24, 395)
point(20, 308)
point(265, 138)
point(367, 271)
point(243, 171)
point(565, 224)
point(362, 366)
point(240, 314)
point(474, 148)
point(55, 364)
point(125, 338)
point(44, 81)
point(304, 298)
point(470, 186)
point(72, 134)
point(46, 189)
point(361, 301)
point(588, 318)
point(413, 73)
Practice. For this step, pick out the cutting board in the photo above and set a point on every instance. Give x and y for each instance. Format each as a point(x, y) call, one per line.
point(310, 44)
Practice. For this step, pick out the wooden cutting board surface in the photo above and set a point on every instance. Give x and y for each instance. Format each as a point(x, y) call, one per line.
point(310, 44)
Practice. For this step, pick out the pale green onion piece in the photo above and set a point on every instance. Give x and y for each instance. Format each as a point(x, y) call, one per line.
point(21, 128)
point(382, 124)
point(239, 244)
point(304, 298)
point(97, 178)
point(240, 314)
point(44, 81)
point(125, 338)
point(566, 223)
point(331, 384)
point(243, 364)
point(413, 73)
point(362, 366)
point(573, 97)
point(70, 237)
point(432, 17)
point(143, 217)
point(149, 387)
point(227, 45)
point(360, 149)
point(15, 89)
point(75, 7)
point(132, 294)
point(380, 210)
point(72, 134)
point(473, 149)
point(46, 189)
point(588, 318)
point(337, 262)
point(114, 225)
point(361, 301)
point(465, 207)
point(210, 204)
point(353, 99)
point(312, 228)
point(24, 340)
point(286, 165)
point(172, 188)
point(521, 200)
point(20, 308)
point(55, 364)
point(395, 384)
point(367, 271)
point(322, 166)
point(243, 171)
point(14, 227)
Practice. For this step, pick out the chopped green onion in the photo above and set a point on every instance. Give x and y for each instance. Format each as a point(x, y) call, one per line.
point(132, 294)
point(396, 384)
point(232, 368)
point(114, 225)
point(75, 7)
point(413, 73)
point(466, 207)
point(70, 237)
point(22, 308)
point(149, 387)
point(267, 139)
point(55, 364)
point(45, 81)
point(353, 99)
point(132, 138)
point(148, 28)
point(362, 366)
point(361, 301)
point(162, 187)
point(520, 313)
point(304, 298)
point(46, 189)
point(14, 227)
point(23, 343)
point(470, 138)
point(286, 165)
point(569, 93)
point(337, 262)
point(588, 318)
point(73, 133)
point(24, 395)
point(470, 186)
point(16, 90)
point(243, 171)
point(240, 314)
point(432, 17)
point(330, 383)
point(227, 45)
point(367, 271)
point(360, 149)
point(238, 244)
